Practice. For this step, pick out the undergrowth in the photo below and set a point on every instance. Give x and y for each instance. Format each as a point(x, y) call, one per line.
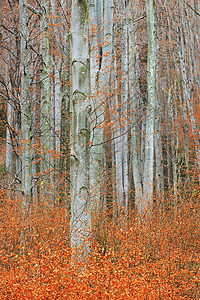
point(155, 260)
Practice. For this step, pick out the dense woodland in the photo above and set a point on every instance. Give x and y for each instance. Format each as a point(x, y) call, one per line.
point(100, 149)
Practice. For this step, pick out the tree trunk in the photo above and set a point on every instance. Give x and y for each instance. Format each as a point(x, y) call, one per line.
point(123, 195)
point(45, 109)
point(135, 141)
point(26, 106)
point(97, 115)
point(9, 141)
point(80, 226)
point(151, 104)
point(0, 24)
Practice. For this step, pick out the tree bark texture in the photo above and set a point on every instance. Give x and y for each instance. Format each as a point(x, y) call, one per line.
point(80, 129)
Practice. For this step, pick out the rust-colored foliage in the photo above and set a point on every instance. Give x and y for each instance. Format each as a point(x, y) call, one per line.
point(155, 260)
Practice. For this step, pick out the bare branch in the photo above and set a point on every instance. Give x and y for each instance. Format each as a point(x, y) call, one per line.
point(35, 11)
point(196, 12)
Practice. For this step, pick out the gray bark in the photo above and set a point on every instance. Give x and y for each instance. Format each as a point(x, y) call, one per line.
point(106, 101)
point(122, 180)
point(0, 23)
point(134, 99)
point(151, 104)
point(144, 186)
point(159, 182)
point(33, 131)
point(9, 141)
point(95, 13)
point(45, 109)
point(188, 82)
point(80, 129)
point(26, 105)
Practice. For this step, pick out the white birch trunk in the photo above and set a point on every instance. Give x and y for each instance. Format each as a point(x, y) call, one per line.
point(80, 129)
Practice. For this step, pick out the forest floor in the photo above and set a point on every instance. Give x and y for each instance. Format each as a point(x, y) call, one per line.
point(156, 260)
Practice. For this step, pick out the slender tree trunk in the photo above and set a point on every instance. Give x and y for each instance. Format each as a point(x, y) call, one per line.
point(65, 103)
point(105, 90)
point(144, 188)
point(57, 103)
point(26, 106)
point(173, 140)
point(33, 131)
point(95, 12)
point(118, 131)
point(159, 156)
point(116, 127)
point(123, 196)
point(159, 175)
point(0, 24)
point(80, 129)
point(57, 91)
point(188, 83)
point(151, 104)
point(134, 100)
point(9, 142)
point(45, 123)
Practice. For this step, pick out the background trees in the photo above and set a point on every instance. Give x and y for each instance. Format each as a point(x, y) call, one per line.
point(132, 122)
